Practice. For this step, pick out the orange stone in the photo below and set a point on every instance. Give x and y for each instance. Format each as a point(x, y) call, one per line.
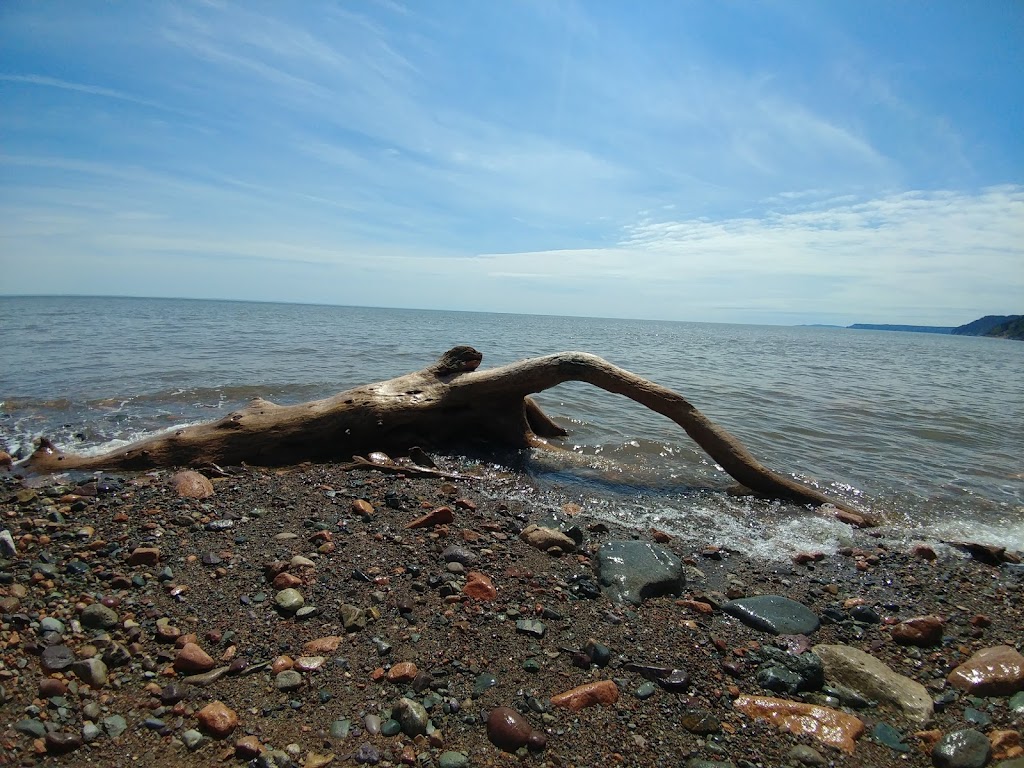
point(1005, 745)
point(248, 747)
point(439, 516)
point(217, 719)
point(996, 671)
point(600, 692)
point(322, 646)
point(829, 726)
point(144, 556)
point(479, 586)
point(285, 580)
point(192, 659)
point(403, 672)
point(192, 485)
point(922, 631)
point(362, 507)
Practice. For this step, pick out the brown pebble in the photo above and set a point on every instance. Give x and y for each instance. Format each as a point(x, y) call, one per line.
point(403, 672)
point(439, 516)
point(921, 631)
point(192, 485)
point(829, 726)
point(587, 695)
point(509, 730)
point(322, 645)
point(248, 747)
point(996, 671)
point(285, 580)
point(51, 686)
point(479, 586)
point(144, 556)
point(923, 551)
point(191, 658)
point(217, 719)
point(362, 507)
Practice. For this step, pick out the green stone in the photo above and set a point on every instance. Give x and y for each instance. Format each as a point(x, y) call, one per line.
point(531, 665)
point(645, 690)
point(452, 760)
point(483, 681)
point(391, 728)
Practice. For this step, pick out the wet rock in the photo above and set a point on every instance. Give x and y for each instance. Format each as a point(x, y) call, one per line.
point(775, 614)
point(7, 546)
point(790, 673)
point(508, 730)
point(885, 734)
point(996, 671)
point(98, 616)
point(922, 631)
point(482, 682)
point(869, 677)
point(191, 485)
point(480, 587)
point(546, 539)
point(631, 571)
point(217, 719)
point(828, 726)
point(412, 716)
point(966, 748)
point(801, 754)
point(587, 695)
point(192, 659)
point(700, 722)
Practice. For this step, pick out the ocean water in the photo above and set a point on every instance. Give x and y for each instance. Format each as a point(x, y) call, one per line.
point(926, 431)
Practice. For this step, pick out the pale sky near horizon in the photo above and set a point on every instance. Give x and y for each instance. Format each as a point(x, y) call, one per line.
point(769, 162)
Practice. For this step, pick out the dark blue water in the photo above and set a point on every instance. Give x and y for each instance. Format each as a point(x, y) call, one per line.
point(926, 430)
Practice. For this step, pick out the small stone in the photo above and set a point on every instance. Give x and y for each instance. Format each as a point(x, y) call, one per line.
point(192, 659)
point(412, 716)
point(439, 516)
point(366, 754)
point(804, 755)
point(362, 508)
point(508, 730)
point(144, 556)
point(217, 719)
point(645, 690)
point(452, 759)
point(192, 485)
point(248, 747)
point(90, 732)
point(98, 616)
point(885, 734)
point(114, 725)
point(546, 539)
point(92, 671)
point(352, 618)
point(309, 663)
point(483, 681)
point(631, 571)
point(966, 748)
point(403, 672)
point(322, 645)
point(288, 680)
point(996, 671)
point(8, 549)
point(57, 657)
point(192, 738)
point(922, 631)
point(587, 695)
point(316, 760)
point(31, 727)
point(289, 600)
point(775, 614)
point(480, 587)
point(61, 742)
point(531, 627)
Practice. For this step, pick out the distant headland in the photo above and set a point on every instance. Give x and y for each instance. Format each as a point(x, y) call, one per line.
point(1000, 326)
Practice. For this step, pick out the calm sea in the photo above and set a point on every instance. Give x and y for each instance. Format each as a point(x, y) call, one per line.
point(926, 430)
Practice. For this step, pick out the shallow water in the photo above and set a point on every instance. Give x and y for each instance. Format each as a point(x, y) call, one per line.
point(926, 430)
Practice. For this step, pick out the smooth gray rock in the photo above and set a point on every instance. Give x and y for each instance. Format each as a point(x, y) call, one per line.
point(114, 725)
point(288, 680)
point(866, 675)
point(962, 749)
point(773, 613)
point(289, 600)
point(631, 571)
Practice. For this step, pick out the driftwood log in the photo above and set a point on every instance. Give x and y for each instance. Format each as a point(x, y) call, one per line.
point(447, 404)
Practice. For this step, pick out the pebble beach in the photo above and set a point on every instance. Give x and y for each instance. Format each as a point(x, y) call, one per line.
point(309, 616)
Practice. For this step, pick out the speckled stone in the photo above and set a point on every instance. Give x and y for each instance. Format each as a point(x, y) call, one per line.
point(631, 571)
point(962, 749)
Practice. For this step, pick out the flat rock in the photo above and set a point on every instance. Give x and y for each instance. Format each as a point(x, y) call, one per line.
point(631, 571)
point(546, 538)
point(587, 695)
point(322, 645)
point(966, 748)
point(922, 631)
point(828, 726)
point(869, 677)
point(773, 613)
point(439, 516)
point(480, 587)
point(995, 671)
point(192, 659)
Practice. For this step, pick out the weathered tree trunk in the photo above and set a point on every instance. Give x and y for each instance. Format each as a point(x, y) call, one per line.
point(447, 404)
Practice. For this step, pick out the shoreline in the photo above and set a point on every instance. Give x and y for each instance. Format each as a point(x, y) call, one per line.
point(223, 560)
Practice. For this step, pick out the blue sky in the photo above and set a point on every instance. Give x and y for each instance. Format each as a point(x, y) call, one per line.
point(769, 162)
